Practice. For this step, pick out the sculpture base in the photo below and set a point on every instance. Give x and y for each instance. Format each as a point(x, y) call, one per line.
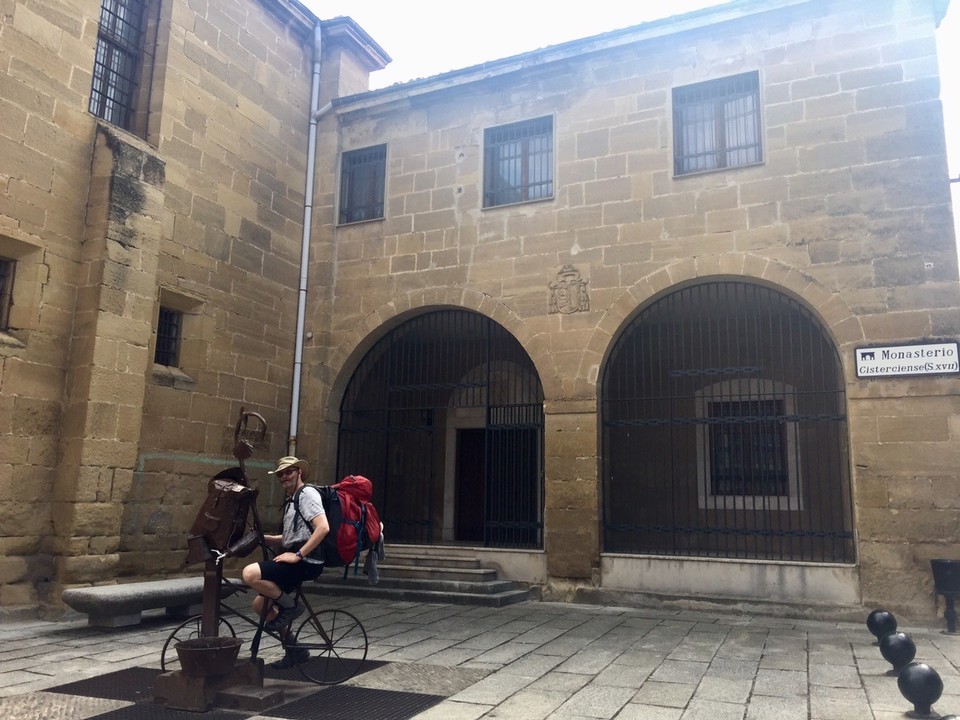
point(184, 692)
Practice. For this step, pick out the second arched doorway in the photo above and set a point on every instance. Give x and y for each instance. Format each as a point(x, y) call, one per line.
point(724, 430)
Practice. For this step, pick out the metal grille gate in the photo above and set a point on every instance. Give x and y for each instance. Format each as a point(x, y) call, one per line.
point(724, 431)
point(445, 414)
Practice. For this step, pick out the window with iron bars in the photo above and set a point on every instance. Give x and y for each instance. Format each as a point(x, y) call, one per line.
point(362, 181)
point(7, 268)
point(748, 448)
point(518, 162)
point(716, 124)
point(118, 62)
point(747, 445)
point(169, 332)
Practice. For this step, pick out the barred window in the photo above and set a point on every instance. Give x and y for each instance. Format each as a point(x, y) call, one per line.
point(7, 268)
point(362, 180)
point(747, 444)
point(518, 162)
point(117, 65)
point(748, 448)
point(169, 326)
point(716, 124)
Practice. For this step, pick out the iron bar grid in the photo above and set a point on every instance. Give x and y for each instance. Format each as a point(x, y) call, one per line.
point(716, 124)
point(518, 162)
point(117, 61)
point(750, 462)
point(446, 411)
point(169, 331)
point(363, 184)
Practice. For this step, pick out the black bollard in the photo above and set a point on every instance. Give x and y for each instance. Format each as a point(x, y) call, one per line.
point(880, 623)
point(898, 649)
point(921, 685)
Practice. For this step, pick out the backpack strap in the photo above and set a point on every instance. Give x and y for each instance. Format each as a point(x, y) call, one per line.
point(361, 525)
point(296, 506)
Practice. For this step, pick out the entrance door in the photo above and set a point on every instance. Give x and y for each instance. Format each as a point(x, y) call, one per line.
point(471, 488)
point(423, 383)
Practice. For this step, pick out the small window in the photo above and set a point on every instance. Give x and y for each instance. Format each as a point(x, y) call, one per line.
point(362, 178)
point(518, 162)
point(748, 448)
point(169, 326)
point(716, 124)
point(119, 62)
point(7, 268)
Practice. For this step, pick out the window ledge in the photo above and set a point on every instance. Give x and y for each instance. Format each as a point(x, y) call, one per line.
point(169, 376)
point(351, 223)
point(8, 343)
point(551, 198)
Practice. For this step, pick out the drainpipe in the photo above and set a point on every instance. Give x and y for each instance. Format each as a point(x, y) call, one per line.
point(305, 244)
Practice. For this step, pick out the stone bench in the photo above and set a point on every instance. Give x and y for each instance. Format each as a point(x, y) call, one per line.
point(121, 605)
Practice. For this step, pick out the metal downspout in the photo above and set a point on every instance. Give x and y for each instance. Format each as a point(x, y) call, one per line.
point(305, 244)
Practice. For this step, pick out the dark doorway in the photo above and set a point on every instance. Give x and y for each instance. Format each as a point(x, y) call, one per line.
point(471, 486)
point(445, 415)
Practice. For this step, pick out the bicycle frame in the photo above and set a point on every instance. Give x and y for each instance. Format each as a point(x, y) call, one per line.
point(340, 651)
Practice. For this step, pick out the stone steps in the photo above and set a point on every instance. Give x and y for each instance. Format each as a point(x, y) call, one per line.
point(420, 575)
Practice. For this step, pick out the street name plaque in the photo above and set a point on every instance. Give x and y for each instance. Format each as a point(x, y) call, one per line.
point(936, 358)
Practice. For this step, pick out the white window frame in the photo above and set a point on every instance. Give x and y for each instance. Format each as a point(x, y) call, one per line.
point(745, 390)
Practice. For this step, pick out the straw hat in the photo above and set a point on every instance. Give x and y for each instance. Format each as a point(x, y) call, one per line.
point(290, 461)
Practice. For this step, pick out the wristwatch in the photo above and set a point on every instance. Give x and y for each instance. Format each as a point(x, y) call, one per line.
point(297, 553)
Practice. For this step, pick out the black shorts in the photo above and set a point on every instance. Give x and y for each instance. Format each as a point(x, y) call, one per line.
point(288, 576)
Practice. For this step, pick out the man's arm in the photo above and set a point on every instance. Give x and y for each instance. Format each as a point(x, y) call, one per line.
point(320, 529)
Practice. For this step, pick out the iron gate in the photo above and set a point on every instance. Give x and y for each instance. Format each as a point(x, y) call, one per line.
point(724, 430)
point(445, 414)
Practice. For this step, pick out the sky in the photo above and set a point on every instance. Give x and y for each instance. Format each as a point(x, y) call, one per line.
point(428, 37)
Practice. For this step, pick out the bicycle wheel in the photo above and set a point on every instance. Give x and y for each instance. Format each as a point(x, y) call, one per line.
point(187, 630)
point(337, 643)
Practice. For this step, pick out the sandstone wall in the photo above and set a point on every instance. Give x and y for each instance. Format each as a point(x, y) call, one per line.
point(104, 456)
point(848, 212)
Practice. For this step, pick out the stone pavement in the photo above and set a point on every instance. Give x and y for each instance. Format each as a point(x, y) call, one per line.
point(530, 661)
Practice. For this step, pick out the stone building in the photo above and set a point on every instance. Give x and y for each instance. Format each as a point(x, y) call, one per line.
point(153, 160)
point(672, 310)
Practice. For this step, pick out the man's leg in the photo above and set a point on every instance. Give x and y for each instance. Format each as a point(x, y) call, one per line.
point(253, 577)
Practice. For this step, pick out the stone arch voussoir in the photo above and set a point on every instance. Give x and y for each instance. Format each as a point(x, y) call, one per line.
point(353, 347)
point(835, 314)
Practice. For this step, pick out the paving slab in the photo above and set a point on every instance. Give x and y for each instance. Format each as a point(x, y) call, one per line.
point(533, 661)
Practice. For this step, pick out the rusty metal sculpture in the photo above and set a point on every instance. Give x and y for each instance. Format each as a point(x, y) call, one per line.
point(245, 543)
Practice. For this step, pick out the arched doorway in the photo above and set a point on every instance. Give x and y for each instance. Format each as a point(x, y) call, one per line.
point(445, 414)
point(724, 430)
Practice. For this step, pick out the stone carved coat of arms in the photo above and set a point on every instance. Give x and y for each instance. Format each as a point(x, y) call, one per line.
point(568, 293)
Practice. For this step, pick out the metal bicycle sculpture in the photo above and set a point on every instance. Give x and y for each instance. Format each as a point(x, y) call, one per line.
point(335, 639)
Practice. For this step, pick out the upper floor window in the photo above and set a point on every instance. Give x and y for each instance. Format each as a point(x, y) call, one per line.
point(7, 268)
point(518, 162)
point(362, 180)
point(120, 62)
point(716, 124)
point(169, 331)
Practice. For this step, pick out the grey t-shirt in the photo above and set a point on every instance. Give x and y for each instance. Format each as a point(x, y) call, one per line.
point(295, 531)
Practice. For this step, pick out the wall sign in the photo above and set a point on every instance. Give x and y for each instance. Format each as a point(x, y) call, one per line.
point(900, 360)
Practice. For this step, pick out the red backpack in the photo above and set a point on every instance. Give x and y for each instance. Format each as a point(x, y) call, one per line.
point(360, 524)
point(354, 521)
